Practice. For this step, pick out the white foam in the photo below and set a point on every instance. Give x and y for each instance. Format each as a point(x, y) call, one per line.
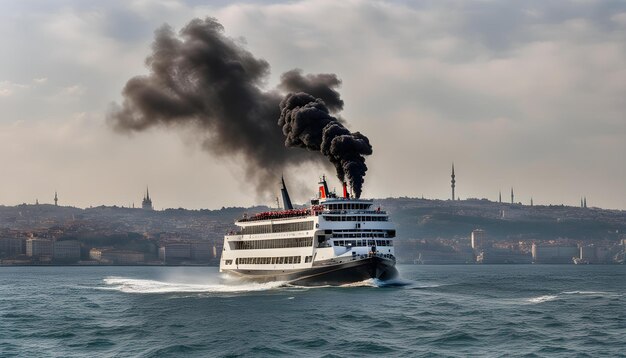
point(541, 299)
point(594, 293)
point(132, 285)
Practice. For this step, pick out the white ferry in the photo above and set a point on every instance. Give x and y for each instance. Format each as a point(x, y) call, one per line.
point(337, 240)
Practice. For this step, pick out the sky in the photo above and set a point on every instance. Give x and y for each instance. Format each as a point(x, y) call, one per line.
point(528, 95)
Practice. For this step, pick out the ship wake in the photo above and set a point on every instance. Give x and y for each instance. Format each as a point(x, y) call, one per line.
point(144, 286)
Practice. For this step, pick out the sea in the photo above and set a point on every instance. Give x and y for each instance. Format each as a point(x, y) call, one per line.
point(430, 311)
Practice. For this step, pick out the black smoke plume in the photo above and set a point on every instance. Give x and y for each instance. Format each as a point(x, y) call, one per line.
point(203, 79)
point(307, 123)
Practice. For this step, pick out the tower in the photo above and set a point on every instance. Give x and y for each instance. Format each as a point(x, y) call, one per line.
point(146, 203)
point(585, 202)
point(581, 202)
point(500, 196)
point(56, 199)
point(531, 201)
point(453, 181)
point(512, 196)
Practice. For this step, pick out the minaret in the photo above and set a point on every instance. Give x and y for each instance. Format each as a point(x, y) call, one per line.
point(453, 181)
point(146, 203)
point(512, 196)
point(500, 196)
point(56, 199)
point(531, 201)
point(581, 201)
point(585, 202)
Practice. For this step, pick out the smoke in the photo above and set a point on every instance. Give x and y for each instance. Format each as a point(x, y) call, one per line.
point(307, 124)
point(320, 86)
point(204, 80)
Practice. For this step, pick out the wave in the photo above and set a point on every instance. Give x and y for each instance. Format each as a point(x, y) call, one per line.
point(564, 294)
point(132, 285)
point(541, 299)
point(594, 293)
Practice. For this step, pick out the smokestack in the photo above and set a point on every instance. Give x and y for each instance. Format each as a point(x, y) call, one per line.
point(283, 190)
point(323, 188)
point(345, 190)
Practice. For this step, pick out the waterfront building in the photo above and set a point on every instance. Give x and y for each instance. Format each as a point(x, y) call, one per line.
point(503, 256)
point(68, 250)
point(12, 246)
point(201, 251)
point(175, 252)
point(554, 254)
point(119, 257)
point(478, 239)
point(37, 248)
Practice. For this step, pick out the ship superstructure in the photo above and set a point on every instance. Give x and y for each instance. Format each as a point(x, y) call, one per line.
point(336, 240)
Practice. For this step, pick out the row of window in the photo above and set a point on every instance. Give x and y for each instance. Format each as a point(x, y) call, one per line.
point(355, 235)
point(363, 242)
point(273, 243)
point(344, 206)
point(270, 260)
point(272, 228)
point(355, 218)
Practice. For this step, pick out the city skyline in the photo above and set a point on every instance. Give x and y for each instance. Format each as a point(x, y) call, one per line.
point(146, 200)
point(517, 95)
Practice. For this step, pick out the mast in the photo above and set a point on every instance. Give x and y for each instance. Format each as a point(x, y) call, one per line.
point(283, 190)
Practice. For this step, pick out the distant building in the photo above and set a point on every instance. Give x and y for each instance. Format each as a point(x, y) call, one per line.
point(68, 250)
point(478, 239)
point(146, 203)
point(181, 251)
point(503, 256)
point(118, 257)
point(38, 248)
point(56, 199)
point(554, 254)
point(201, 251)
point(175, 252)
point(12, 246)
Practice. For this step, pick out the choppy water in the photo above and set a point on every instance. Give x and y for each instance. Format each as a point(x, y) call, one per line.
point(433, 311)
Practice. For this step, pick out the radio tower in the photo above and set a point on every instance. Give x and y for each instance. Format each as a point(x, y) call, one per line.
point(453, 181)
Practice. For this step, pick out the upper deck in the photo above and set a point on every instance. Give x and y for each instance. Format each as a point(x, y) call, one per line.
point(327, 204)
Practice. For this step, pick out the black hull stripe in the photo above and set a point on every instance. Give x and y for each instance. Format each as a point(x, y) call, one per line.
point(338, 274)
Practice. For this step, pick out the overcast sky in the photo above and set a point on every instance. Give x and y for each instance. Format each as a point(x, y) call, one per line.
point(529, 95)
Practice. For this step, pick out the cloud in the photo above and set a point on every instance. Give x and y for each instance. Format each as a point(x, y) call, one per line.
point(516, 93)
point(8, 88)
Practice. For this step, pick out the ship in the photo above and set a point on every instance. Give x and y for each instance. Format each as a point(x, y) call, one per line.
point(336, 240)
